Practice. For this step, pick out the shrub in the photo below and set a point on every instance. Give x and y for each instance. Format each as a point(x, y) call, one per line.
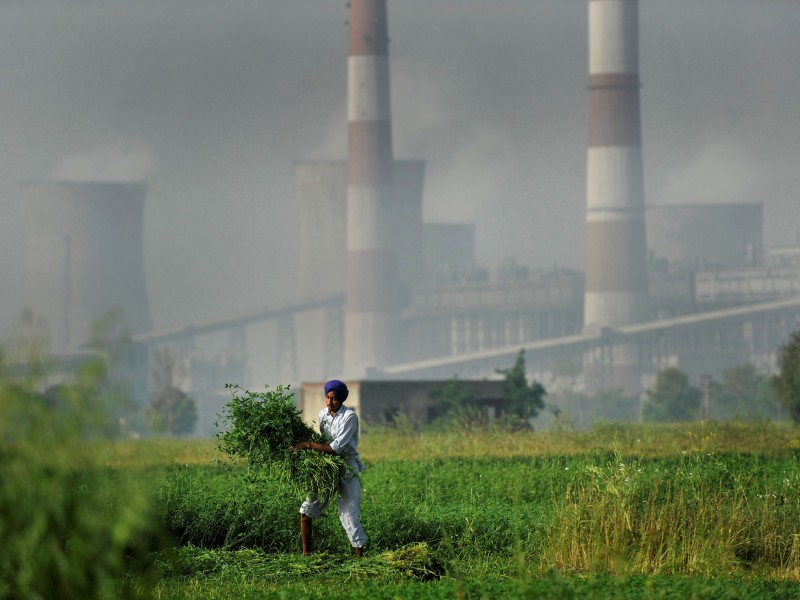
point(70, 527)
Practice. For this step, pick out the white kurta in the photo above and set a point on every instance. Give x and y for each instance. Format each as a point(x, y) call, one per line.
point(342, 431)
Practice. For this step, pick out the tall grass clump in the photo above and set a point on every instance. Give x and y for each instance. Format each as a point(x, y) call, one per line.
point(699, 517)
point(261, 428)
point(70, 528)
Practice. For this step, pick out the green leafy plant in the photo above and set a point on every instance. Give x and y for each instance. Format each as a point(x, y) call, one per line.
point(787, 381)
point(522, 399)
point(672, 397)
point(71, 527)
point(172, 411)
point(262, 428)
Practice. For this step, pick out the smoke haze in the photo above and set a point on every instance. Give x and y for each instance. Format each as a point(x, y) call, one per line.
point(212, 102)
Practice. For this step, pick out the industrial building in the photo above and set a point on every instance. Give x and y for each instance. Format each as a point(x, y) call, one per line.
point(379, 402)
point(382, 295)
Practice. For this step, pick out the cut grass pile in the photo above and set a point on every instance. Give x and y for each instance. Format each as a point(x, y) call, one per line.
point(414, 561)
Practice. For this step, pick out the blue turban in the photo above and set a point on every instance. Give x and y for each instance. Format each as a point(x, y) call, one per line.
point(339, 389)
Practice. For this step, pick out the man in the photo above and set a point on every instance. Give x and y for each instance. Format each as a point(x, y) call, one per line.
point(339, 423)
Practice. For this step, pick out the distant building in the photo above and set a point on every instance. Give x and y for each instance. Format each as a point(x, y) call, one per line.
point(379, 401)
point(477, 312)
point(701, 236)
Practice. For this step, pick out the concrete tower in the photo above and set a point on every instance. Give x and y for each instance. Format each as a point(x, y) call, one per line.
point(372, 315)
point(616, 263)
point(84, 257)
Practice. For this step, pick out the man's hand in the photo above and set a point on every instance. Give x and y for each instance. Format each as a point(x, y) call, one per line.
point(299, 446)
point(326, 448)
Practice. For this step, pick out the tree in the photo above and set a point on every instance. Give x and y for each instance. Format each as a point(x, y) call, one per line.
point(787, 381)
point(456, 402)
point(672, 398)
point(767, 404)
point(171, 410)
point(736, 395)
point(522, 399)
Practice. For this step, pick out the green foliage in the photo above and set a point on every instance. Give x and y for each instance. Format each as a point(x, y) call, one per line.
point(522, 399)
point(69, 527)
point(672, 398)
point(767, 405)
point(262, 426)
point(787, 382)
point(581, 410)
point(456, 405)
point(172, 411)
point(741, 394)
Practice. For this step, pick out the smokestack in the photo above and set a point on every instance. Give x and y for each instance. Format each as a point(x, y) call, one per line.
point(616, 263)
point(84, 257)
point(372, 315)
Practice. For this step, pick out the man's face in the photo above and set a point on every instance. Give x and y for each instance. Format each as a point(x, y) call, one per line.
point(333, 404)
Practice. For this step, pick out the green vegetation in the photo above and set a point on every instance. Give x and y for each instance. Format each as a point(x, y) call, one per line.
point(171, 411)
point(70, 527)
point(261, 428)
point(673, 398)
point(621, 510)
point(787, 382)
point(522, 399)
point(692, 519)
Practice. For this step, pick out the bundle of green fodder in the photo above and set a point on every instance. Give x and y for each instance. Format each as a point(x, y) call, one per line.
point(261, 428)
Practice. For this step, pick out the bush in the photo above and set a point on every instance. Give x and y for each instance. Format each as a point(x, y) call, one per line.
point(70, 528)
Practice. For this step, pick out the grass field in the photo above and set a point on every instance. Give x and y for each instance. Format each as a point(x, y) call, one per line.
point(621, 511)
point(703, 510)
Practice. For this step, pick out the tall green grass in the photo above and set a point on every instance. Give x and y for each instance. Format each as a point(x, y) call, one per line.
point(598, 512)
point(704, 515)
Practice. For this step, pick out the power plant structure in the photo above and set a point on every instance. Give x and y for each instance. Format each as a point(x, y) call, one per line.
point(401, 299)
point(84, 257)
point(686, 236)
point(371, 323)
point(616, 291)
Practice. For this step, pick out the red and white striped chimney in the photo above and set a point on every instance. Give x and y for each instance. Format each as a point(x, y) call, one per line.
point(616, 248)
point(372, 316)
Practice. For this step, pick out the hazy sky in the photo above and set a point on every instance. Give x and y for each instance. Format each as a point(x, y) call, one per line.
point(213, 101)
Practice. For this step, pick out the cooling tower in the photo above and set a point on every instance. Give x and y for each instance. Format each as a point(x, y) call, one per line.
point(373, 292)
point(616, 262)
point(84, 257)
point(321, 194)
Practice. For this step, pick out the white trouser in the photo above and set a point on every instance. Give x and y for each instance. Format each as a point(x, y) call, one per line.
point(349, 509)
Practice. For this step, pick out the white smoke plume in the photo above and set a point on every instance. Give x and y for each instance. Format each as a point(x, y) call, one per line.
point(723, 169)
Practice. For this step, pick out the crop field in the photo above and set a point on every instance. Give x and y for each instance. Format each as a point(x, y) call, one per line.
point(702, 509)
